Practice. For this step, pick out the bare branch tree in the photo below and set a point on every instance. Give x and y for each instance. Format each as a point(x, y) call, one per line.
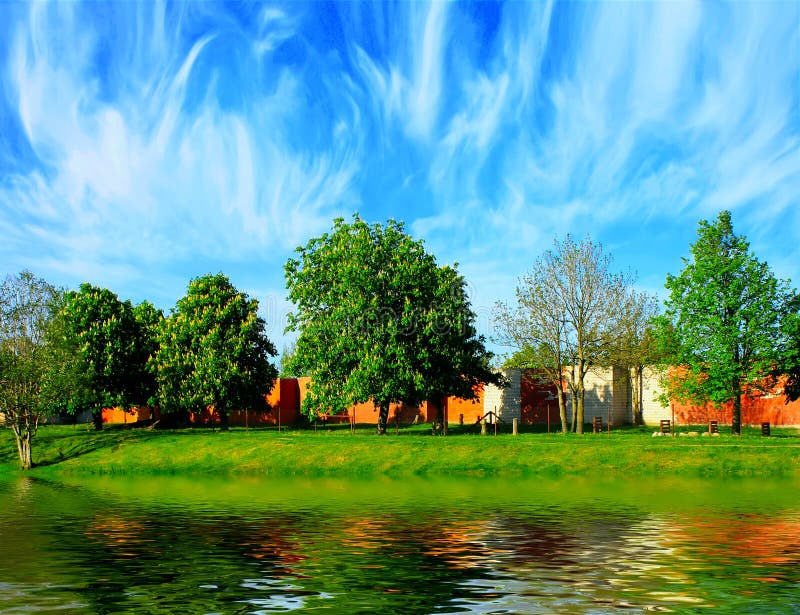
point(572, 313)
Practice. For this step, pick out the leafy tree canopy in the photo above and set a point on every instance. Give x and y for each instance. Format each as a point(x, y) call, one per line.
point(101, 333)
point(723, 323)
point(148, 320)
point(213, 351)
point(380, 321)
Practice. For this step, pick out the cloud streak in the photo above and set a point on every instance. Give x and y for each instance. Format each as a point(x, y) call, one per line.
point(137, 176)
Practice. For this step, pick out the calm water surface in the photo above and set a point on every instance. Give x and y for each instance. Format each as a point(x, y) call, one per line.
point(166, 545)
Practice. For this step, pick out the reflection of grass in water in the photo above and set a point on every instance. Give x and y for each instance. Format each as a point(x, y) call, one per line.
point(420, 544)
point(334, 451)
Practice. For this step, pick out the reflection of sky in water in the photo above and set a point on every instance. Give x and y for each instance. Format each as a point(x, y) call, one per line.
point(658, 563)
point(278, 595)
point(85, 553)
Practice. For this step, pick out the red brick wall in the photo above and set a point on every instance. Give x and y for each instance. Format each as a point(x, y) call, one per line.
point(756, 409)
point(538, 396)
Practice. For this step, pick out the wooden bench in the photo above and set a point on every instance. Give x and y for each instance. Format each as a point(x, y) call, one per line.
point(665, 426)
point(597, 424)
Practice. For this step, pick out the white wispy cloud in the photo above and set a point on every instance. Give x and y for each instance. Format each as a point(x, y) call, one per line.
point(407, 86)
point(135, 176)
point(655, 114)
point(155, 140)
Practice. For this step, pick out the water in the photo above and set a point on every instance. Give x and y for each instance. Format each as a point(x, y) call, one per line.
point(167, 545)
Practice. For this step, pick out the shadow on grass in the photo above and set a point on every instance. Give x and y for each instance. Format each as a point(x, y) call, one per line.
point(55, 447)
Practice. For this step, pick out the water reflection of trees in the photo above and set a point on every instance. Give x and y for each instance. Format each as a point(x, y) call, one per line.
point(119, 557)
point(392, 562)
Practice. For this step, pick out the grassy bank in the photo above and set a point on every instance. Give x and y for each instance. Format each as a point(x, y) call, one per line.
point(413, 451)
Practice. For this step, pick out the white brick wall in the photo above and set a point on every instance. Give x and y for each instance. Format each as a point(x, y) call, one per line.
point(607, 393)
point(652, 410)
point(505, 402)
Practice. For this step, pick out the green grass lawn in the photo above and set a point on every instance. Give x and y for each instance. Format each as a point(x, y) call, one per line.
point(334, 450)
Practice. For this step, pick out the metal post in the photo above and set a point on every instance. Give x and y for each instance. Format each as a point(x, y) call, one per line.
point(548, 419)
point(672, 425)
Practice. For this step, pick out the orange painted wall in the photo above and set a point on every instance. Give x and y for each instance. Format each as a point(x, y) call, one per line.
point(367, 413)
point(113, 416)
point(471, 409)
point(284, 399)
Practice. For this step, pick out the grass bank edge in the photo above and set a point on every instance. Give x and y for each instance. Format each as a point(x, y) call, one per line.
point(201, 452)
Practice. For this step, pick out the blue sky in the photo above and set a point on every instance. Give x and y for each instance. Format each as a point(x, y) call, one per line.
point(144, 144)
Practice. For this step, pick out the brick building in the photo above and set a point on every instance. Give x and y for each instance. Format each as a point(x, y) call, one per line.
point(528, 398)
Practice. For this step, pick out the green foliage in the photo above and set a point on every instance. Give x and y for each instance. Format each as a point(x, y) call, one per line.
point(105, 342)
point(26, 308)
point(789, 366)
point(288, 369)
point(379, 320)
point(213, 351)
point(523, 358)
point(723, 324)
point(148, 320)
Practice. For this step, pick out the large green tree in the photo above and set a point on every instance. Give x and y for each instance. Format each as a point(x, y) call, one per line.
point(213, 351)
point(102, 338)
point(380, 321)
point(26, 308)
point(723, 326)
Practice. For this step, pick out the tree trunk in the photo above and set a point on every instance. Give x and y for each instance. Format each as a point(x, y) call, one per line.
point(573, 392)
point(736, 425)
point(383, 418)
point(24, 448)
point(27, 455)
point(562, 409)
point(97, 419)
point(581, 391)
point(574, 395)
point(637, 390)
